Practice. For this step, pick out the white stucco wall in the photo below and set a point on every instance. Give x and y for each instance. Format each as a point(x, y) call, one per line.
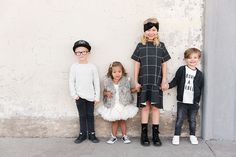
point(36, 39)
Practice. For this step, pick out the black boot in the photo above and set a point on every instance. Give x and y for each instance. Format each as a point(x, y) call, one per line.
point(155, 135)
point(81, 138)
point(93, 138)
point(144, 135)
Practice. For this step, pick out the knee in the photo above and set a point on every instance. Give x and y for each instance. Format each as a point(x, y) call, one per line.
point(90, 115)
point(192, 120)
point(122, 122)
point(82, 114)
point(179, 121)
point(115, 122)
point(146, 108)
point(155, 110)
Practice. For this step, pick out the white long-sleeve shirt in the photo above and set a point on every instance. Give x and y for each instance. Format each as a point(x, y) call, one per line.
point(84, 82)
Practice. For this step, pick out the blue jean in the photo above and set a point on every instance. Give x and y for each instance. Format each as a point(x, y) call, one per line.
point(86, 116)
point(183, 110)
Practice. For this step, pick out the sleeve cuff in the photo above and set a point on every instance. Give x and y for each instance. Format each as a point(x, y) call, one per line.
point(166, 58)
point(96, 99)
point(135, 58)
point(75, 96)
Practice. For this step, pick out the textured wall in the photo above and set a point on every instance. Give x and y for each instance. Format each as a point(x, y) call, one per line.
point(35, 55)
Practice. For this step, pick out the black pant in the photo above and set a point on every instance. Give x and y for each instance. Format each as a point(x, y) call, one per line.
point(191, 111)
point(86, 116)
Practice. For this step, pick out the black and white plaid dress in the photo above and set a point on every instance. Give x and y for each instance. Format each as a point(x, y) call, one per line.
point(151, 58)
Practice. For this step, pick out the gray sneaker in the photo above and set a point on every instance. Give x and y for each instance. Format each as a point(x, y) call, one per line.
point(126, 139)
point(112, 140)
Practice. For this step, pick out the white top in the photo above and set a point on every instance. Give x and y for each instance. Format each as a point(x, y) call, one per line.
point(117, 93)
point(84, 82)
point(188, 86)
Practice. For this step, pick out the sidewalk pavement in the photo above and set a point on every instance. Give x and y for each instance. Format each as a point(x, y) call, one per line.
point(65, 147)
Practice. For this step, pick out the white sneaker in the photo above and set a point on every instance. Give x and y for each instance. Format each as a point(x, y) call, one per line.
point(112, 140)
point(175, 140)
point(193, 139)
point(126, 139)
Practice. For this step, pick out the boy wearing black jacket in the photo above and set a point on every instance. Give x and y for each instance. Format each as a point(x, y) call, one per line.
point(189, 82)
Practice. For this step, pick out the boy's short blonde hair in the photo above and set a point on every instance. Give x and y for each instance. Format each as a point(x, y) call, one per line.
point(190, 51)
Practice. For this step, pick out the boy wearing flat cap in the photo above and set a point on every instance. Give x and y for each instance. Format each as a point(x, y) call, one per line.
point(85, 90)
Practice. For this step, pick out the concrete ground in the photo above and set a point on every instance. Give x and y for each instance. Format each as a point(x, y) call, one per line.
point(65, 147)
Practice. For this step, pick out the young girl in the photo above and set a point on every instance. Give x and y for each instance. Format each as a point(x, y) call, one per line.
point(118, 100)
point(150, 77)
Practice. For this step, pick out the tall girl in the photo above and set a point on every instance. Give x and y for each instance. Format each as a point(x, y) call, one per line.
point(150, 70)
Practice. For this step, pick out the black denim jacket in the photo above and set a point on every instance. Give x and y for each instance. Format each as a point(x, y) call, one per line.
point(179, 81)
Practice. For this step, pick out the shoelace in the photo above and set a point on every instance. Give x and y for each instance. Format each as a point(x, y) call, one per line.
point(112, 139)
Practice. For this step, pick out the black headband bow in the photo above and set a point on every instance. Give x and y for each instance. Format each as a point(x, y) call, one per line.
point(149, 25)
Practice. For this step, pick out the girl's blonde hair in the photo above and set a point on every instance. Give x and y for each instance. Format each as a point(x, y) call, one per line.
point(115, 64)
point(156, 40)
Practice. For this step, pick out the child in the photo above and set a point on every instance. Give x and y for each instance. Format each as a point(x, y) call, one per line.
point(150, 70)
point(118, 100)
point(85, 89)
point(189, 82)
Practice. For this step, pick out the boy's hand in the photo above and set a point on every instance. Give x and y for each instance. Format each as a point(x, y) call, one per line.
point(164, 86)
point(167, 86)
point(96, 102)
point(77, 98)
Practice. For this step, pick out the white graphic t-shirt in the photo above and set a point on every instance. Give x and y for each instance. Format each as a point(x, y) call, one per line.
point(188, 86)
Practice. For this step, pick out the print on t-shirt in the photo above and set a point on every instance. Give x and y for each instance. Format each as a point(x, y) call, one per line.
point(189, 82)
point(188, 86)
